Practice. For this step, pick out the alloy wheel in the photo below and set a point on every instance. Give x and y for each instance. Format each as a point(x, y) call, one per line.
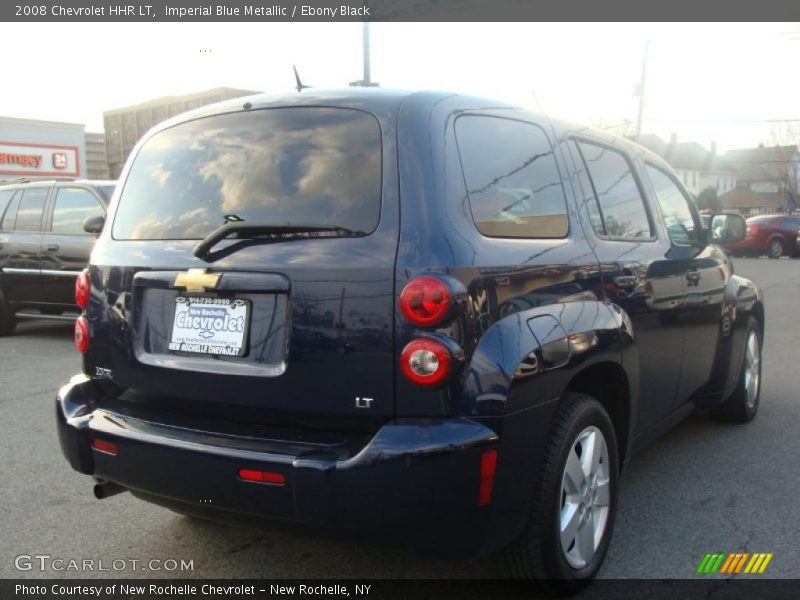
point(585, 497)
point(752, 369)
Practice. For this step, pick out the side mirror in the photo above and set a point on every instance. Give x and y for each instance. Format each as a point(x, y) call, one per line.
point(94, 225)
point(727, 228)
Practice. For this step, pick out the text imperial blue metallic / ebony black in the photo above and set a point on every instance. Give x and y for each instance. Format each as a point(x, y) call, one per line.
point(431, 319)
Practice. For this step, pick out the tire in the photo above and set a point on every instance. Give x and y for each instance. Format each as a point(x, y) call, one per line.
point(775, 248)
point(539, 553)
point(742, 406)
point(7, 319)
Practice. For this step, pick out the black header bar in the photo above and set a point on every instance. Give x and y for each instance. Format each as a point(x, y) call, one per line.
point(397, 10)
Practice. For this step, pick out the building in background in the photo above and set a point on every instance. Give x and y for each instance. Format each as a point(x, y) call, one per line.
point(125, 126)
point(96, 161)
point(768, 180)
point(41, 149)
point(699, 169)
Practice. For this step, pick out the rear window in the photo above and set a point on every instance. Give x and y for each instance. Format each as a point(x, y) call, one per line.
point(283, 166)
point(513, 182)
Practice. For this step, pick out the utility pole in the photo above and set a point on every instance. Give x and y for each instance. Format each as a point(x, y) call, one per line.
point(367, 80)
point(365, 46)
point(642, 90)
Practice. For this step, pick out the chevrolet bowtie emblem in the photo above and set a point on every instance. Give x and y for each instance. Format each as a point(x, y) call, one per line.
point(197, 280)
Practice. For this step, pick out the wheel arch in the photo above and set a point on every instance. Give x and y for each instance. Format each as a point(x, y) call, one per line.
point(528, 358)
point(609, 384)
point(778, 237)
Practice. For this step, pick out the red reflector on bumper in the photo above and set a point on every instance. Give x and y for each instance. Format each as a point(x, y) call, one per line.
point(104, 446)
point(262, 476)
point(488, 467)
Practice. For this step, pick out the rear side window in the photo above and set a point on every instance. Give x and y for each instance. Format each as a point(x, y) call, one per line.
point(31, 208)
point(283, 166)
point(622, 212)
point(73, 206)
point(513, 182)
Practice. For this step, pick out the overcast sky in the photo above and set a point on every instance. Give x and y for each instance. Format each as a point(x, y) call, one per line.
point(706, 82)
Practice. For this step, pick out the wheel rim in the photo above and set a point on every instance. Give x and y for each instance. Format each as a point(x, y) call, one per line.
point(585, 498)
point(776, 248)
point(752, 369)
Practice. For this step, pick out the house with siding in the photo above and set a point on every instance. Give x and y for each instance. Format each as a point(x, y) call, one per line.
point(697, 167)
point(768, 179)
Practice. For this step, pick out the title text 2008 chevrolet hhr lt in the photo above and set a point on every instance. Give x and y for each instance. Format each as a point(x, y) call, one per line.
point(441, 320)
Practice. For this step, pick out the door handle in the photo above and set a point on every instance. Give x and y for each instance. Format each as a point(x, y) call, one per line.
point(52, 248)
point(693, 277)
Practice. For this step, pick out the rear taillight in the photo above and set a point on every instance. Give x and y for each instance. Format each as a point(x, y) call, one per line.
point(83, 289)
point(751, 230)
point(425, 301)
point(426, 361)
point(81, 334)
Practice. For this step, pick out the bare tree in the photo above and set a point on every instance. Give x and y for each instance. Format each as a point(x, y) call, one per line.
point(787, 171)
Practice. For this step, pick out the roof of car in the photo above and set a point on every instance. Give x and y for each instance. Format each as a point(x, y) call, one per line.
point(355, 97)
point(50, 180)
point(383, 100)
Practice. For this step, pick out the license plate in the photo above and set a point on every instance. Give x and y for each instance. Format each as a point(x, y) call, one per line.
point(215, 326)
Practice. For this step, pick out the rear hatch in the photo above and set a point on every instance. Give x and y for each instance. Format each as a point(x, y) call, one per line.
point(248, 271)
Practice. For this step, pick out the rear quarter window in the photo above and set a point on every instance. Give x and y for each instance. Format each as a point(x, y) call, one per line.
point(512, 180)
point(280, 166)
point(5, 199)
point(31, 209)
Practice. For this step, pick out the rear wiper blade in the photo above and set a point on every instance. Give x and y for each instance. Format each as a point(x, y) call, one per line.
point(245, 230)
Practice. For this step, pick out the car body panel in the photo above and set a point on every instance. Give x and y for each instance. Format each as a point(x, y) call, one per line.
point(533, 318)
point(38, 269)
point(768, 228)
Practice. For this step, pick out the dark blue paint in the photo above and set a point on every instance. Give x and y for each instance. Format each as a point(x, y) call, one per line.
point(531, 316)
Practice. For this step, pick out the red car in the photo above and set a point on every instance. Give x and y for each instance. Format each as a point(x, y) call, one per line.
point(773, 235)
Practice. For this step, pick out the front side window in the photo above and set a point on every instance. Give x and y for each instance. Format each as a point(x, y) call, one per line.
point(675, 208)
point(31, 208)
point(106, 190)
point(283, 166)
point(620, 202)
point(73, 206)
point(513, 183)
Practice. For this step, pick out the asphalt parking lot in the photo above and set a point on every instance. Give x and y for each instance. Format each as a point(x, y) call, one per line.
point(704, 487)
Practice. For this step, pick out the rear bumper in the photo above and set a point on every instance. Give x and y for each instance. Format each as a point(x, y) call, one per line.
point(413, 482)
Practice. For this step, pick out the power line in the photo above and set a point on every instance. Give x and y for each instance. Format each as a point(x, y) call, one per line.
point(656, 120)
